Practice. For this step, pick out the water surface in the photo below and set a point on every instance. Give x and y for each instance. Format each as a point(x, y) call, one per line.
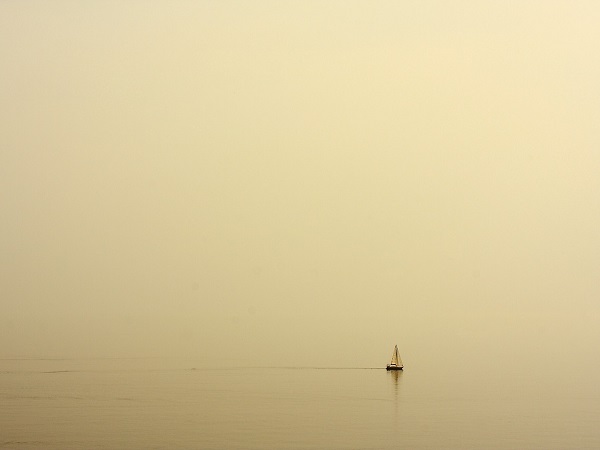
point(128, 403)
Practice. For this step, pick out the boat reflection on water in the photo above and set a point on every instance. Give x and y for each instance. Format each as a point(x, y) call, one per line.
point(395, 374)
point(396, 379)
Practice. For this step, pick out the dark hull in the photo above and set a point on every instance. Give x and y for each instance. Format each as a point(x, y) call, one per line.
point(393, 368)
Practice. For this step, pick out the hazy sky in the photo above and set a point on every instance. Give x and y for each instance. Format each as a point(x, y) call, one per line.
point(311, 182)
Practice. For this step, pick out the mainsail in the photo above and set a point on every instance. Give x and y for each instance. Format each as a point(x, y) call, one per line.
point(396, 360)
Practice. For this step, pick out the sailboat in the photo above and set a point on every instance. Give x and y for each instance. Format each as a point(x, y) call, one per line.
point(396, 363)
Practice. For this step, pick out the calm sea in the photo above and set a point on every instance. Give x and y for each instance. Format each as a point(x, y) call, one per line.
point(145, 404)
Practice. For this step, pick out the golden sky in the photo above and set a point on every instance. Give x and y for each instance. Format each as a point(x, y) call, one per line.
point(298, 182)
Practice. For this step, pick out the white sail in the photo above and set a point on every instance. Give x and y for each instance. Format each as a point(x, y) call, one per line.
point(395, 357)
point(396, 360)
